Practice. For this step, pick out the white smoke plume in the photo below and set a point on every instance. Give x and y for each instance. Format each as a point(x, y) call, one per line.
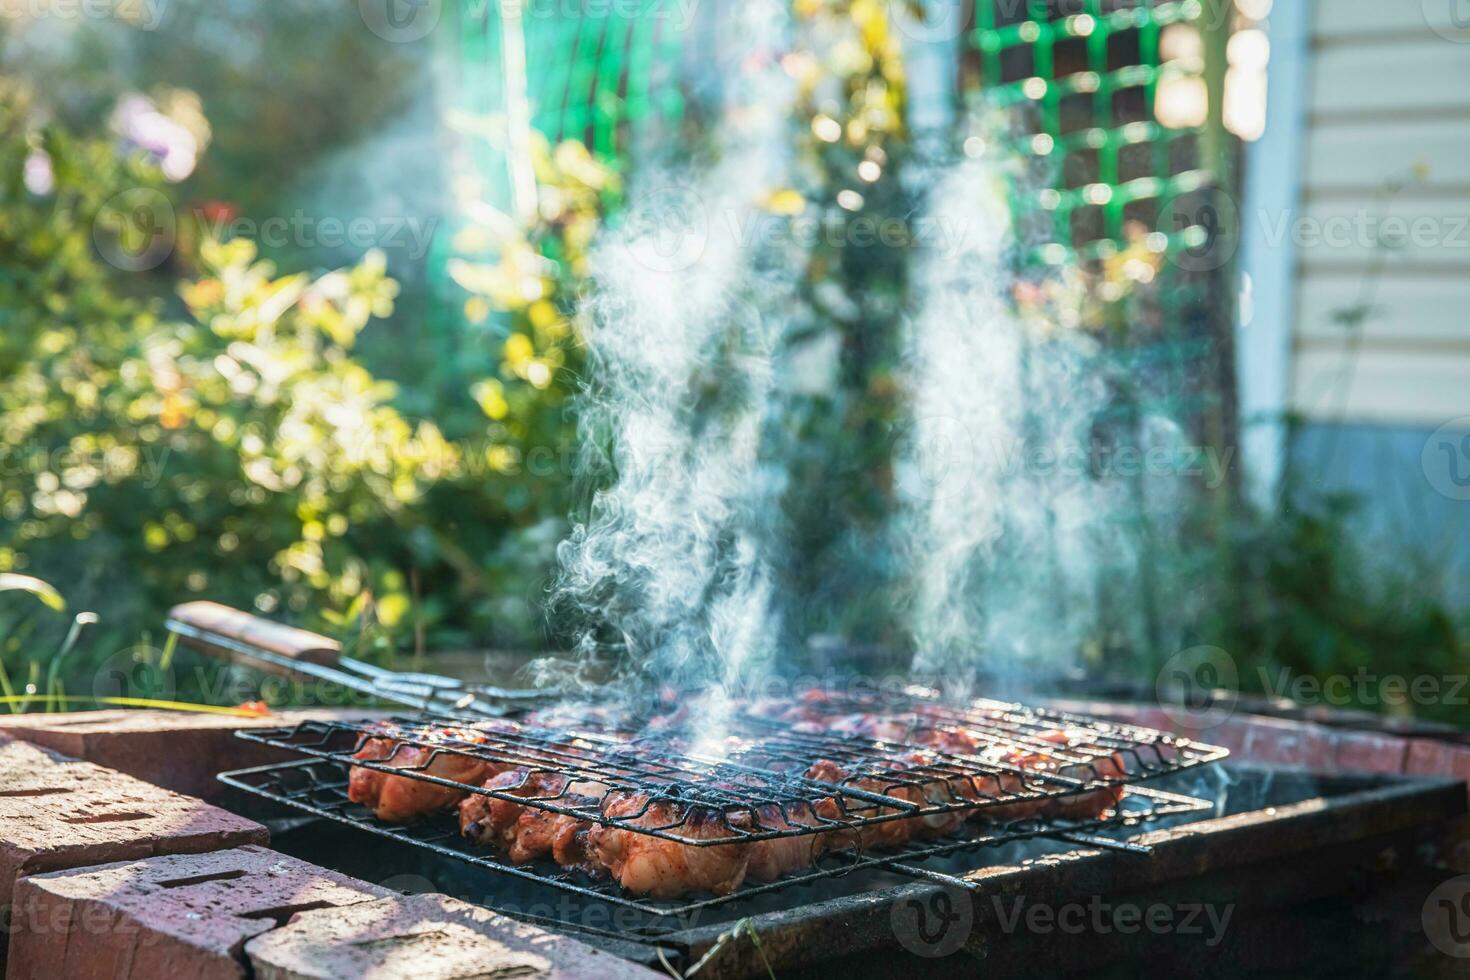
point(670, 569)
point(1006, 554)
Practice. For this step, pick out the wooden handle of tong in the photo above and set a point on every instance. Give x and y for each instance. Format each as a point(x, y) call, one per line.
point(229, 633)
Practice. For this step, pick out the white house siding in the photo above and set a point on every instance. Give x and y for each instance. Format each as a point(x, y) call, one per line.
point(1385, 136)
point(1388, 103)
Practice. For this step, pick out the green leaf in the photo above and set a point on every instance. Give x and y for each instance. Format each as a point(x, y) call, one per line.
point(10, 582)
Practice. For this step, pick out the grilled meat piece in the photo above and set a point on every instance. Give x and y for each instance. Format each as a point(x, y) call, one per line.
point(926, 759)
point(663, 868)
point(780, 856)
point(523, 832)
point(405, 799)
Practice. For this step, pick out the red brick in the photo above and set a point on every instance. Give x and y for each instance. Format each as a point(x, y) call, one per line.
point(1289, 744)
point(1461, 762)
point(181, 751)
point(1229, 734)
point(56, 813)
point(1370, 752)
point(186, 915)
point(1428, 757)
point(426, 937)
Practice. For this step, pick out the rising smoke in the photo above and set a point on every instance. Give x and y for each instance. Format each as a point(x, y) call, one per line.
point(677, 568)
point(1002, 556)
point(671, 569)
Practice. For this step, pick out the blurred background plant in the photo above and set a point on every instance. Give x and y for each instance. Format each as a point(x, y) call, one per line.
point(266, 426)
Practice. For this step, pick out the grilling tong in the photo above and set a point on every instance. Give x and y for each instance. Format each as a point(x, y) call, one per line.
point(275, 648)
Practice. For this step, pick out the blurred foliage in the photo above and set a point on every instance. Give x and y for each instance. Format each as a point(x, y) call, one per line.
point(527, 286)
point(852, 145)
point(241, 451)
point(286, 84)
point(1310, 597)
point(230, 439)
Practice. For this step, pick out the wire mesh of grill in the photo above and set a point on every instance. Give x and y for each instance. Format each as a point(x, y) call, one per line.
point(773, 779)
point(319, 787)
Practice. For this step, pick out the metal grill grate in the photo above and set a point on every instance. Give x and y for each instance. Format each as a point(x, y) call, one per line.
point(770, 781)
point(319, 787)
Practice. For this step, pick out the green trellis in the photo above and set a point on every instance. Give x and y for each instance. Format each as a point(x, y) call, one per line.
point(1087, 75)
point(602, 76)
point(608, 76)
point(1084, 73)
point(1080, 80)
point(1082, 77)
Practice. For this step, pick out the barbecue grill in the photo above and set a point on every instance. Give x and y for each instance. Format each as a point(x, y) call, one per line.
point(755, 789)
point(735, 793)
point(754, 786)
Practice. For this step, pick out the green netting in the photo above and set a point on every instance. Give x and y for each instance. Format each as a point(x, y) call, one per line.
point(1082, 76)
point(1080, 80)
point(607, 75)
point(597, 76)
point(1087, 74)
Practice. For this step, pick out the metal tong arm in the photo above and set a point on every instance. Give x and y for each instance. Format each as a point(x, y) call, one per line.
point(241, 638)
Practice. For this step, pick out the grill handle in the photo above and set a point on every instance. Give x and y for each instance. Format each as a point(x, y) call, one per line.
point(243, 638)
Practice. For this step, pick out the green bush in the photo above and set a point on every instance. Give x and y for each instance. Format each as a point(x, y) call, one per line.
point(228, 443)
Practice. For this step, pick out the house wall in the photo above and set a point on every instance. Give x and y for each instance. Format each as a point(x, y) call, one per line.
point(1381, 127)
